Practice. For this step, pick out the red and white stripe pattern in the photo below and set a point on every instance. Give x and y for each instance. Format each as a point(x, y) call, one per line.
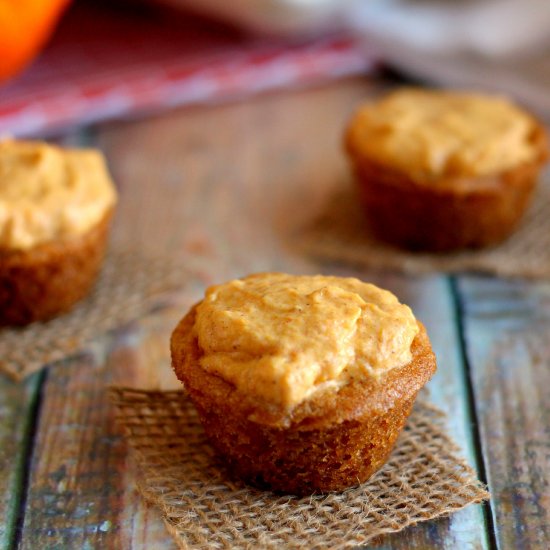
point(104, 64)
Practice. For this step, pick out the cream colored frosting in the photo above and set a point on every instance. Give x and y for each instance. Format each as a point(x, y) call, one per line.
point(434, 133)
point(281, 337)
point(47, 192)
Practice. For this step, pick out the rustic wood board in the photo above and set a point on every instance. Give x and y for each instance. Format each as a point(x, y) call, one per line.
point(239, 216)
point(507, 330)
point(224, 188)
point(81, 491)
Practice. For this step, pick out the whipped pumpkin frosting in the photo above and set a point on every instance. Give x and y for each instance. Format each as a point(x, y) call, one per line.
point(281, 337)
point(47, 192)
point(435, 133)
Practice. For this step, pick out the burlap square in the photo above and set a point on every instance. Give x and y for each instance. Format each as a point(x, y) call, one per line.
point(203, 509)
point(340, 233)
point(128, 283)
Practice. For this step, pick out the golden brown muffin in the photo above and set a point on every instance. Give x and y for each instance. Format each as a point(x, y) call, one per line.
point(55, 209)
point(302, 384)
point(441, 170)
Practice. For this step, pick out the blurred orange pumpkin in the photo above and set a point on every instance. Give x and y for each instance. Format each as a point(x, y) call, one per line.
point(25, 25)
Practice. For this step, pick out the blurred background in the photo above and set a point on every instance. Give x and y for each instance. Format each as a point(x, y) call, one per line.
point(65, 63)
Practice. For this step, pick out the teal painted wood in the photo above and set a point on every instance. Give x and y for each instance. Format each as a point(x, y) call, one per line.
point(507, 330)
point(17, 410)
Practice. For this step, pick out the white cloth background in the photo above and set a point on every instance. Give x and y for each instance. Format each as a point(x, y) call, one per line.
point(501, 45)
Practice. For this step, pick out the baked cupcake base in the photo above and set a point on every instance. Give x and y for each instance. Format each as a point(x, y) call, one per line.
point(451, 214)
point(40, 283)
point(332, 441)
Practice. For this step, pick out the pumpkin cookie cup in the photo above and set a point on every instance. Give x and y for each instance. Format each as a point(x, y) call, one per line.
point(335, 439)
point(455, 208)
point(56, 205)
point(50, 278)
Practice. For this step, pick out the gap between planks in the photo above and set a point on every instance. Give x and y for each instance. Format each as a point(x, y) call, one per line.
point(24, 467)
point(480, 465)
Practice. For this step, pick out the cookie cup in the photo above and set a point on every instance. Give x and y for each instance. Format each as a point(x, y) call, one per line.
point(336, 439)
point(448, 212)
point(50, 278)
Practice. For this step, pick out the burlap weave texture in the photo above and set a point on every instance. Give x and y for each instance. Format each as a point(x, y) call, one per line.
point(341, 234)
point(127, 286)
point(204, 509)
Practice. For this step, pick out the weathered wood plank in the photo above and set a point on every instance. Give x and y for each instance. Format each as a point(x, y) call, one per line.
point(240, 181)
point(175, 196)
point(224, 188)
point(17, 408)
point(507, 329)
point(81, 488)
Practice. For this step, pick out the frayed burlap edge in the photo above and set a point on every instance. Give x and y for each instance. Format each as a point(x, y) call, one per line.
point(203, 509)
point(341, 234)
point(126, 288)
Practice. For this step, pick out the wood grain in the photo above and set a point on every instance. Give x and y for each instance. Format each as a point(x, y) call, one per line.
point(507, 329)
point(81, 490)
point(240, 180)
point(224, 188)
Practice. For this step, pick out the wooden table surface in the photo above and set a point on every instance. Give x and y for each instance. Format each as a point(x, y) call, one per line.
point(225, 188)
